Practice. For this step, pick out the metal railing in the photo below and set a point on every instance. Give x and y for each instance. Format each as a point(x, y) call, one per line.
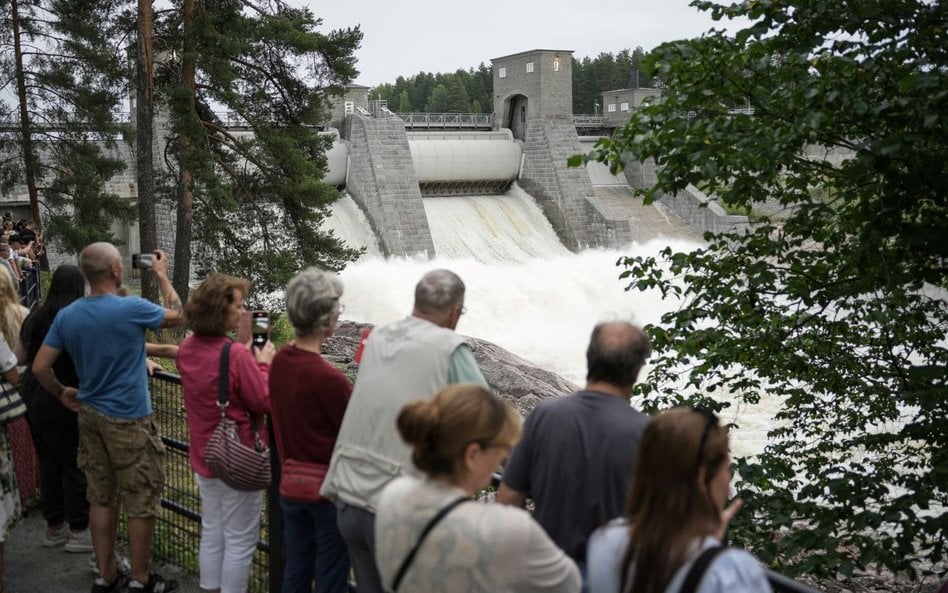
point(450, 121)
point(30, 287)
point(589, 121)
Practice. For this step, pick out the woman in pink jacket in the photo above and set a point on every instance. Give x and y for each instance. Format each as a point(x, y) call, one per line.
point(230, 519)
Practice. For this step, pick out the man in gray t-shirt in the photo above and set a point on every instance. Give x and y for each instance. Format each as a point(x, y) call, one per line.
point(576, 455)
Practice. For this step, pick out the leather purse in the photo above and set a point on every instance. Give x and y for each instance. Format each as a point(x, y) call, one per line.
point(301, 481)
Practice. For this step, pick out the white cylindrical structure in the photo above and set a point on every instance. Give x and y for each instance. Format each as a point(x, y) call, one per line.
point(464, 156)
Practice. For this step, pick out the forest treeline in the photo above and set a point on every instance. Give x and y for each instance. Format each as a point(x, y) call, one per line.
point(469, 91)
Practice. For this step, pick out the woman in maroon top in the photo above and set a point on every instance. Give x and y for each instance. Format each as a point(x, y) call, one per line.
point(230, 519)
point(309, 398)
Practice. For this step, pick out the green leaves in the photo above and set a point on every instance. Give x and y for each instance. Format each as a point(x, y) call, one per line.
point(258, 199)
point(833, 304)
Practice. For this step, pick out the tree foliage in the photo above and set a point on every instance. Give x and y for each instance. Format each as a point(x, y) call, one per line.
point(470, 91)
point(606, 72)
point(256, 193)
point(834, 304)
point(454, 92)
point(65, 141)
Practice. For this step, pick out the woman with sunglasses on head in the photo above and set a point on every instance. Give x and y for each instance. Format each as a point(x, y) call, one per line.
point(675, 514)
point(431, 535)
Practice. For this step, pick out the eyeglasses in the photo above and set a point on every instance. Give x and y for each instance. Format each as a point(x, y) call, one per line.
point(710, 421)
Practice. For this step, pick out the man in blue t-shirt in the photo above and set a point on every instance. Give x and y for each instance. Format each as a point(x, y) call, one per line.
point(576, 454)
point(120, 450)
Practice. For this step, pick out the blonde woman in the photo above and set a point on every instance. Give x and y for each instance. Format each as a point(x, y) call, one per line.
point(12, 313)
point(11, 317)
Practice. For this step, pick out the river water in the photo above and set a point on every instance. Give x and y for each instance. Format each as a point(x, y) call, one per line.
point(525, 291)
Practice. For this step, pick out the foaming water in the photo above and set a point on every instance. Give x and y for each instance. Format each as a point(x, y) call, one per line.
point(500, 229)
point(542, 310)
point(349, 223)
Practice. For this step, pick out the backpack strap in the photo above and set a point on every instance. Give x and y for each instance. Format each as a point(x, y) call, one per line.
point(699, 567)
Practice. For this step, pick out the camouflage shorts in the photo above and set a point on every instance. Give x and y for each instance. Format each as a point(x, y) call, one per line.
point(121, 459)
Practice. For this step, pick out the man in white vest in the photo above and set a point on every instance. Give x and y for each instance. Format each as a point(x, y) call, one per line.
point(403, 361)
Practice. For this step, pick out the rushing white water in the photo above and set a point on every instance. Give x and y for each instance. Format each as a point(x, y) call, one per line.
point(525, 291)
point(349, 223)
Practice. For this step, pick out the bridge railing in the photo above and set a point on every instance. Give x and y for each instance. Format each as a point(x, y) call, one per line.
point(454, 121)
point(589, 121)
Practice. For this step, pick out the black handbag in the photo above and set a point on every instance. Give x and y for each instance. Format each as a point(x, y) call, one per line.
point(237, 465)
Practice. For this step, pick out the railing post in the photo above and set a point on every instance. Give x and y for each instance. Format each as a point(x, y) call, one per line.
point(274, 518)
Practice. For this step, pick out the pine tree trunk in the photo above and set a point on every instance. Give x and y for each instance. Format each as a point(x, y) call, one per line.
point(182, 240)
point(30, 163)
point(144, 142)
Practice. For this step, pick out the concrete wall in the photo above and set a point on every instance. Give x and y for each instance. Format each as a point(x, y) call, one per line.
point(383, 183)
point(357, 95)
point(691, 205)
point(562, 192)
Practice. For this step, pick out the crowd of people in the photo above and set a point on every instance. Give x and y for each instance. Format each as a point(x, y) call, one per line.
point(20, 250)
point(621, 502)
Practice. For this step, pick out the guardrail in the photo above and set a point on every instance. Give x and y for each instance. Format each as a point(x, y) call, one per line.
point(451, 121)
point(29, 289)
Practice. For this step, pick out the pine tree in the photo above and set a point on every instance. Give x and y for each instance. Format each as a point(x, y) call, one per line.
point(255, 198)
point(69, 83)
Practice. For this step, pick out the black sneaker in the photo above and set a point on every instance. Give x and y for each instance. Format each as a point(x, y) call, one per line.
point(156, 584)
point(100, 585)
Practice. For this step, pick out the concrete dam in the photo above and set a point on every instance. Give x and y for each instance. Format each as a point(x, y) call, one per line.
point(396, 178)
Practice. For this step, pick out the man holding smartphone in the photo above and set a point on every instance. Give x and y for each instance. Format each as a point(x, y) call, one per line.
point(120, 450)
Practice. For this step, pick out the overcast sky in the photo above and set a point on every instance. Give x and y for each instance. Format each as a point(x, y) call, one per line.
point(404, 37)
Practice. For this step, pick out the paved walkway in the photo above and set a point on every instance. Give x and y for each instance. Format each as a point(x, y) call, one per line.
point(31, 568)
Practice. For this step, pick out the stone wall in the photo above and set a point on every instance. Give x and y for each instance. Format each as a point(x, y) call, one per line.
point(562, 192)
point(382, 181)
point(691, 205)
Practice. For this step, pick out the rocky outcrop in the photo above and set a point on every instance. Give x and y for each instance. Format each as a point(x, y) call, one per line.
point(513, 379)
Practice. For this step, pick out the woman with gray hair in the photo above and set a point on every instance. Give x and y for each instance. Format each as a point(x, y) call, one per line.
point(308, 398)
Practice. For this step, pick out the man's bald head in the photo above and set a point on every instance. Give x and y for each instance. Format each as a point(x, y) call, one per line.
point(617, 351)
point(97, 259)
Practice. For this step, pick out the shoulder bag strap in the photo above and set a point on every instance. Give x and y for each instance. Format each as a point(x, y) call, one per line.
point(700, 566)
point(421, 538)
point(222, 390)
point(222, 381)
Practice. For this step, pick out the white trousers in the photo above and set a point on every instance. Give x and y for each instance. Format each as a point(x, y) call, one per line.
point(230, 529)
